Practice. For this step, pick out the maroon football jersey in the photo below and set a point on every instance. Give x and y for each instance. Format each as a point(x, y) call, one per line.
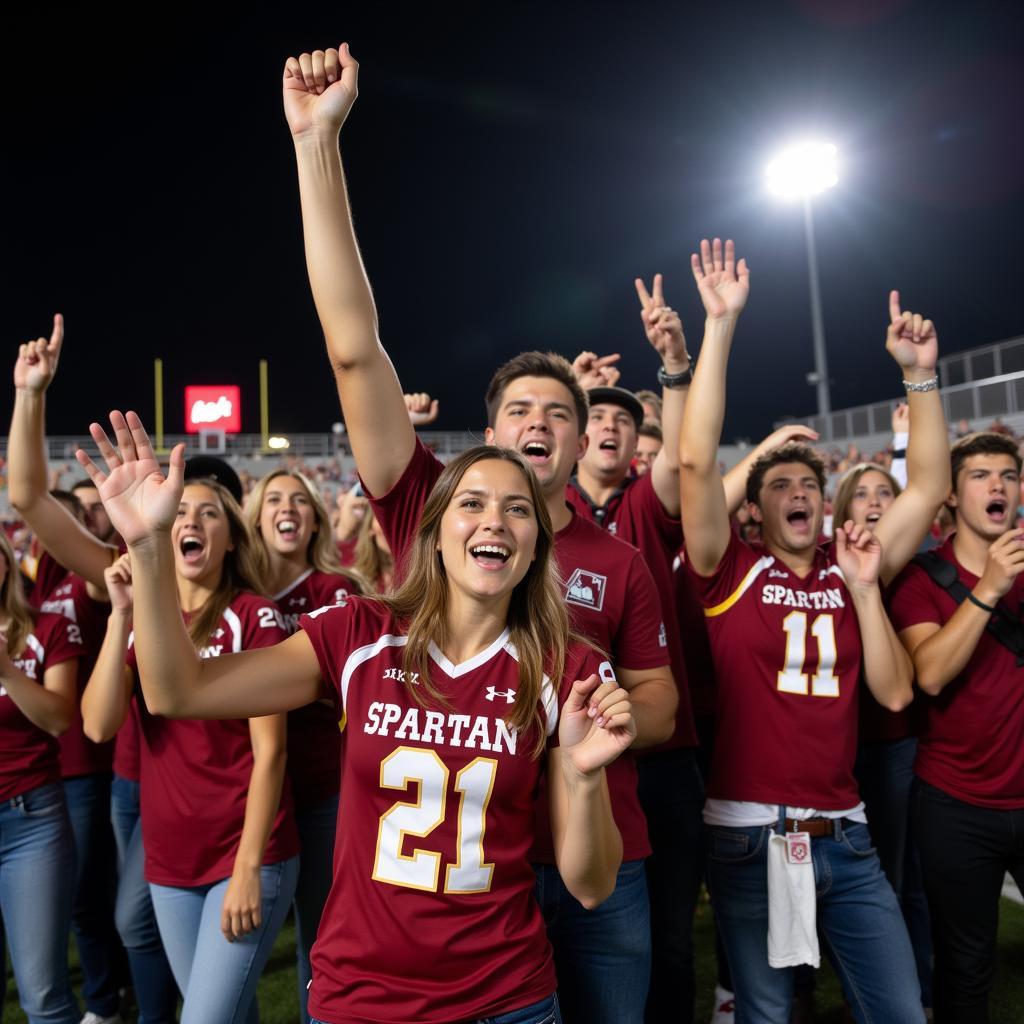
point(787, 663)
point(611, 599)
point(30, 757)
point(635, 514)
point(195, 774)
point(431, 916)
point(64, 593)
point(973, 746)
point(314, 739)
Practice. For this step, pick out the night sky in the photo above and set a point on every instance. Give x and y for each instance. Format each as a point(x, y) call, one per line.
point(512, 169)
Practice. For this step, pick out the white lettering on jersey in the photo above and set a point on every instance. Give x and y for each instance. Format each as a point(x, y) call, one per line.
point(586, 589)
point(472, 731)
point(62, 606)
point(400, 676)
point(816, 600)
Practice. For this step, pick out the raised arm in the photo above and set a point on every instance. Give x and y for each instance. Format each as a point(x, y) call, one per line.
point(176, 682)
point(735, 480)
point(912, 342)
point(665, 333)
point(724, 286)
point(108, 693)
point(888, 671)
point(319, 90)
point(595, 725)
point(70, 543)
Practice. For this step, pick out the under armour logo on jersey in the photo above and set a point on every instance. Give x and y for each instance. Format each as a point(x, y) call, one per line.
point(778, 574)
point(613, 528)
point(586, 589)
point(509, 695)
point(300, 601)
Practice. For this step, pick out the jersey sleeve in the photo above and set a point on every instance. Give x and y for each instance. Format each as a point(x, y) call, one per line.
point(640, 641)
point(331, 631)
point(912, 599)
point(726, 580)
point(62, 640)
point(262, 626)
point(398, 511)
point(648, 507)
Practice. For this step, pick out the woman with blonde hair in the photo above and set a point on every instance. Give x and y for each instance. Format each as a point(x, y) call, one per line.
point(451, 690)
point(221, 847)
point(290, 521)
point(39, 654)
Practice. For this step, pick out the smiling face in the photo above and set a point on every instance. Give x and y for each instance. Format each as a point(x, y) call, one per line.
point(790, 507)
point(488, 532)
point(986, 495)
point(612, 442)
point(201, 535)
point(287, 519)
point(537, 417)
point(873, 494)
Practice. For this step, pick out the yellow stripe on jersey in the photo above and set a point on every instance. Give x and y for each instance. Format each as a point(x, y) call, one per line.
point(342, 721)
point(747, 582)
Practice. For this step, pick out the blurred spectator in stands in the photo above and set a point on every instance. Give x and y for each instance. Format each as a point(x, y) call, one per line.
point(648, 444)
point(651, 401)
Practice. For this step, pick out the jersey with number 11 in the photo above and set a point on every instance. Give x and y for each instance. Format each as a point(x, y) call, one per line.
point(787, 656)
point(431, 916)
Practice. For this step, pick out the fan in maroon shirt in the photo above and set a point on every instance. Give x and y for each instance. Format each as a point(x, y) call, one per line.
point(451, 690)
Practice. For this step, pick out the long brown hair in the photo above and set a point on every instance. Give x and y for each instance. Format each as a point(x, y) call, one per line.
point(12, 601)
point(847, 487)
point(322, 554)
point(538, 623)
point(370, 560)
point(239, 571)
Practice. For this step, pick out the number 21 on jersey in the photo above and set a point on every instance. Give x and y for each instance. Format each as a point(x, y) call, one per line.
point(420, 869)
point(793, 678)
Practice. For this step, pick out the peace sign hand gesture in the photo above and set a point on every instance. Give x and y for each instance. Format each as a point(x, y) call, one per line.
point(663, 326)
point(911, 340)
point(724, 284)
point(37, 360)
point(319, 90)
point(140, 502)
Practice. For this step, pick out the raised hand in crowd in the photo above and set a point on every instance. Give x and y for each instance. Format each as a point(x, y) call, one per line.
point(912, 341)
point(724, 284)
point(37, 360)
point(663, 326)
point(422, 408)
point(594, 371)
point(352, 508)
point(119, 584)
point(319, 90)
point(735, 480)
point(901, 418)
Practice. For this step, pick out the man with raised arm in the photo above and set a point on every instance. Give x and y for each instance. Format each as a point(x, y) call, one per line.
point(536, 407)
point(793, 627)
point(644, 511)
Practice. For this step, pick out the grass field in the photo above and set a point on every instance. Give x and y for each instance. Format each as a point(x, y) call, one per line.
point(279, 1001)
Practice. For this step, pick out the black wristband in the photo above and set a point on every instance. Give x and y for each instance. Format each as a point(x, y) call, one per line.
point(675, 380)
point(981, 604)
point(899, 453)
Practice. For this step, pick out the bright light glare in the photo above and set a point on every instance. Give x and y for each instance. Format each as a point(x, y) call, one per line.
point(278, 442)
point(803, 170)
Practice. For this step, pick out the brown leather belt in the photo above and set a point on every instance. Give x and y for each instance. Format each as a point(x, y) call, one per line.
point(814, 827)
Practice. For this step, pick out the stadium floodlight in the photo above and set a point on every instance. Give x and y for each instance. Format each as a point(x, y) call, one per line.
point(279, 443)
point(803, 170)
point(800, 172)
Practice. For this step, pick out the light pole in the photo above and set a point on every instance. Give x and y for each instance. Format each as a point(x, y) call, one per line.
point(801, 172)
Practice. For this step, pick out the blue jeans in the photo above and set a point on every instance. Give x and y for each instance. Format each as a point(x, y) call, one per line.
point(672, 795)
point(544, 1012)
point(37, 884)
point(317, 827)
point(859, 922)
point(218, 978)
point(602, 956)
point(155, 990)
point(92, 916)
point(885, 772)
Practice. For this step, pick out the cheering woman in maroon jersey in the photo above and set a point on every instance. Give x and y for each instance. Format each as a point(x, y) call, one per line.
point(217, 824)
point(446, 690)
point(39, 654)
point(290, 520)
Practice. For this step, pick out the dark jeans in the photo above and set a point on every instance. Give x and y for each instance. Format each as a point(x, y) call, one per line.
point(672, 796)
point(104, 966)
point(965, 852)
point(885, 774)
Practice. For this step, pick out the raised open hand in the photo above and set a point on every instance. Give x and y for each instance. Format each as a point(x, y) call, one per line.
point(37, 360)
point(859, 555)
point(140, 502)
point(911, 340)
point(596, 724)
point(663, 327)
point(422, 408)
point(319, 90)
point(724, 284)
point(594, 371)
